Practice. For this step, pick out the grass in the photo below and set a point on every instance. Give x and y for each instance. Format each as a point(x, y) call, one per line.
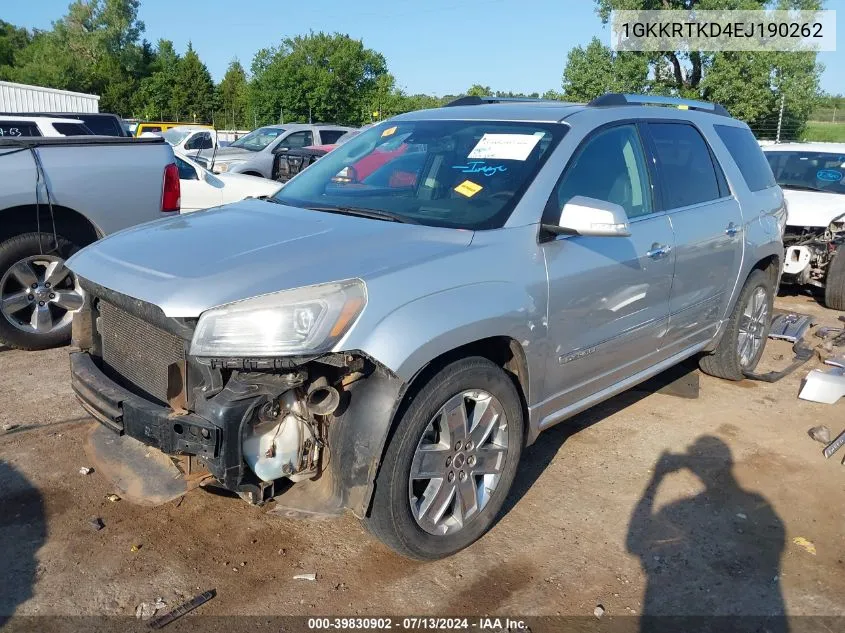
point(824, 131)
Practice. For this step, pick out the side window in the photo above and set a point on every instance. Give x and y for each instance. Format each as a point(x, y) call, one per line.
point(298, 139)
point(685, 168)
point(748, 156)
point(329, 137)
point(610, 167)
point(18, 128)
point(186, 171)
point(71, 129)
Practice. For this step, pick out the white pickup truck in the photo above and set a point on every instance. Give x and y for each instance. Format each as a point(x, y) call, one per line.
point(58, 195)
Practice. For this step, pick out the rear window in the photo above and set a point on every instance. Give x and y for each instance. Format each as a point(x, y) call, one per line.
point(18, 128)
point(104, 125)
point(72, 129)
point(330, 137)
point(686, 169)
point(748, 156)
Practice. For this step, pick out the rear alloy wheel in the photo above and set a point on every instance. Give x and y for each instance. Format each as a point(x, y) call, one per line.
point(744, 338)
point(450, 461)
point(38, 293)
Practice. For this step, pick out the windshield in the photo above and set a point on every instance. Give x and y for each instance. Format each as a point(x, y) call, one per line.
point(174, 136)
point(258, 139)
point(811, 171)
point(458, 174)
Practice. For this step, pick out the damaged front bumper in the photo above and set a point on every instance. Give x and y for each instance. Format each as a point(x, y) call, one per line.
point(206, 444)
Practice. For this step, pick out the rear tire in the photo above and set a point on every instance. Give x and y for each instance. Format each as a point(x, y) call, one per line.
point(432, 499)
point(36, 259)
point(834, 284)
point(727, 360)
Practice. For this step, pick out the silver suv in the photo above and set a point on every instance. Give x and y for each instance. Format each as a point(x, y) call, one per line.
point(389, 331)
point(253, 153)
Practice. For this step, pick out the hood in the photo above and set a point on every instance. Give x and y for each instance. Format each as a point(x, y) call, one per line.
point(232, 153)
point(813, 208)
point(190, 263)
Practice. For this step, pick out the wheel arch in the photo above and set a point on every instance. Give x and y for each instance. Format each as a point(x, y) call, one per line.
point(70, 224)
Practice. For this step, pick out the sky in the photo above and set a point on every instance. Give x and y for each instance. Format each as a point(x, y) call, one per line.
point(435, 47)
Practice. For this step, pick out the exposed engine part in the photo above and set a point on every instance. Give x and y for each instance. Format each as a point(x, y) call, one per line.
point(281, 442)
point(322, 399)
point(809, 251)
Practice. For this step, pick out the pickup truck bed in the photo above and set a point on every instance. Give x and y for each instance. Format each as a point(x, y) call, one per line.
point(59, 195)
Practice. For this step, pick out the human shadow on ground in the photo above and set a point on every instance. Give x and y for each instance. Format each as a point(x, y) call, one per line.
point(712, 560)
point(23, 530)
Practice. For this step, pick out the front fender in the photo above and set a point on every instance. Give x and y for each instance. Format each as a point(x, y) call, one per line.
point(410, 337)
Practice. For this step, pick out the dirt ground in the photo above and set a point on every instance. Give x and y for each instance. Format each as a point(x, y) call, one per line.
point(744, 517)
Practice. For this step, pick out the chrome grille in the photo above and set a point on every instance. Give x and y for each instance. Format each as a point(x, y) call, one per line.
point(138, 351)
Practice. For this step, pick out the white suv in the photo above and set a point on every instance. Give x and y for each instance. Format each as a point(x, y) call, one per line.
point(14, 126)
point(812, 176)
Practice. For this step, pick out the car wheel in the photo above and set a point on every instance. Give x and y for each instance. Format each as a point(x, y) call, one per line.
point(834, 285)
point(449, 463)
point(38, 294)
point(744, 338)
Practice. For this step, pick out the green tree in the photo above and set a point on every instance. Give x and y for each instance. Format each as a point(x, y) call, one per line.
point(318, 76)
point(752, 85)
point(233, 97)
point(13, 39)
point(192, 97)
point(154, 96)
point(595, 70)
point(94, 48)
point(477, 90)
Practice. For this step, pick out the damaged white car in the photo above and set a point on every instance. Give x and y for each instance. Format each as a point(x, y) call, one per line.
point(812, 176)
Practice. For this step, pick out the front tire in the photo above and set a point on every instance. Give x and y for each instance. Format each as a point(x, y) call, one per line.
point(746, 332)
point(450, 462)
point(834, 285)
point(38, 294)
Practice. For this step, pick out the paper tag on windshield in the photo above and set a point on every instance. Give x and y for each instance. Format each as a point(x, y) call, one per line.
point(389, 131)
point(505, 146)
point(468, 188)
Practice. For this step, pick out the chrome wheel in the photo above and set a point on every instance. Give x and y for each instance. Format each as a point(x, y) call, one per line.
point(458, 462)
point(39, 294)
point(752, 327)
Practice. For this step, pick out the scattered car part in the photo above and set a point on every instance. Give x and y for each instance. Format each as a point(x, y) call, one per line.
point(825, 387)
point(835, 445)
point(790, 326)
point(96, 524)
point(836, 361)
point(182, 609)
point(802, 355)
point(312, 576)
point(820, 434)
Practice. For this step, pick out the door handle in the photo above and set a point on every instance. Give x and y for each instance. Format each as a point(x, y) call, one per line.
point(659, 251)
point(732, 230)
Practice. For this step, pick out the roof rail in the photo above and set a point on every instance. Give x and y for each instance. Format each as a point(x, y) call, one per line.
point(618, 99)
point(475, 100)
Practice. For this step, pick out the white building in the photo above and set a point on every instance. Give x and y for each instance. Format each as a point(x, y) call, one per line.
point(23, 98)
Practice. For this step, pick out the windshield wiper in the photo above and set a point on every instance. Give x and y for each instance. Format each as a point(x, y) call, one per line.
point(367, 213)
point(806, 188)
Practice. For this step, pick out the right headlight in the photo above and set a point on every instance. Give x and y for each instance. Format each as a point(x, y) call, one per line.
point(221, 168)
point(304, 320)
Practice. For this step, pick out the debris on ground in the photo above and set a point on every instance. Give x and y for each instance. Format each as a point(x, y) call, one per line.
point(741, 515)
point(135, 548)
point(96, 524)
point(835, 445)
point(86, 470)
point(145, 611)
point(800, 541)
point(825, 387)
point(790, 327)
point(113, 498)
point(836, 361)
point(182, 609)
point(9, 427)
point(305, 577)
point(598, 611)
point(820, 434)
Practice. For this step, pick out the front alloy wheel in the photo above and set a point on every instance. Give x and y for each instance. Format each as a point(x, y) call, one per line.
point(450, 461)
point(458, 462)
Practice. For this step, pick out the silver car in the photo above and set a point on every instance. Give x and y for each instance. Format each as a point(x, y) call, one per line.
point(253, 153)
point(388, 332)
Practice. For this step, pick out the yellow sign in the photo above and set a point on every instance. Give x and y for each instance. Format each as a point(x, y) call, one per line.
point(468, 188)
point(389, 131)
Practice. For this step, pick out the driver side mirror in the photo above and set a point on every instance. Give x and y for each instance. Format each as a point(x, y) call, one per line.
point(582, 215)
